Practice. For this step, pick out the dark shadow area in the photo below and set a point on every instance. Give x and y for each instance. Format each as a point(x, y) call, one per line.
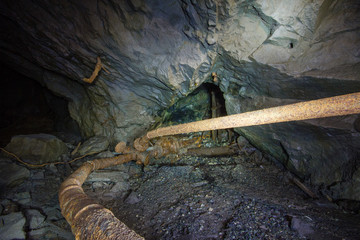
point(27, 108)
point(217, 97)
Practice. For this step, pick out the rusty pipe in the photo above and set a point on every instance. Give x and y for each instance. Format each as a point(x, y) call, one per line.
point(326, 107)
point(88, 219)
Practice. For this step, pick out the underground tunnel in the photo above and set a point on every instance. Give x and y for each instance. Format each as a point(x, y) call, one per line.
point(180, 119)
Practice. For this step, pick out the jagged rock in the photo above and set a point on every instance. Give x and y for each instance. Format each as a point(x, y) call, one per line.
point(12, 175)
point(9, 206)
point(133, 198)
point(293, 144)
point(22, 198)
point(194, 107)
point(11, 226)
point(94, 145)
point(50, 231)
point(37, 148)
point(36, 219)
point(105, 154)
point(53, 213)
point(348, 189)
point(119, 190)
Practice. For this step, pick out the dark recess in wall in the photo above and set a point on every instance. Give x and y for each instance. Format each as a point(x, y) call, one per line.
point(219, 98)
point(27, 108)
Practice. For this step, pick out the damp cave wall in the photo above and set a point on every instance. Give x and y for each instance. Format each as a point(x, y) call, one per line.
point(265, 53)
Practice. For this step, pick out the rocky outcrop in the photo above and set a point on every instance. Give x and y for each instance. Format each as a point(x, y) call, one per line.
point(265, 53)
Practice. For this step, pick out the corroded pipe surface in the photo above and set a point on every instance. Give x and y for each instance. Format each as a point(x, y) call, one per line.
point(326, 107)
point(88, 219)
point(213, 151)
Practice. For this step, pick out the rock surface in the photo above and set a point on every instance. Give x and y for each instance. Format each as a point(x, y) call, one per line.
point(94, 145)
point(12, 226)
point(12, 174)
point(181, 198)
point(36, 219)
point(265, 53)
point(38, 148)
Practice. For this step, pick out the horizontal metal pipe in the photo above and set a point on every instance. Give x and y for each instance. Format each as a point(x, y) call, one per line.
point(326, 107)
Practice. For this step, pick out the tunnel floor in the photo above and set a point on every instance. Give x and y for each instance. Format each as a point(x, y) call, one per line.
point(234, 197)
point(242, 197)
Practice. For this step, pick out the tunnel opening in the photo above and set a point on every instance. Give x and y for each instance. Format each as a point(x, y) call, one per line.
point(27, 107)
point(205, 102)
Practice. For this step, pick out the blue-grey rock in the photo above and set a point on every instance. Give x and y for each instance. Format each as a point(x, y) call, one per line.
point(12, 226)
point(12, 175)
point(36, 219)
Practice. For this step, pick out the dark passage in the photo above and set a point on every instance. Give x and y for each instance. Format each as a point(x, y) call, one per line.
point(27, 107)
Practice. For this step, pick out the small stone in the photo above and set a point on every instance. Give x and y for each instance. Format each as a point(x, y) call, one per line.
point(94, 145)
point(38, 176)
point(53, 213)
point(50, 231)
point(52, 168)
point(12, 226)
point(199, 184)
point(105, 154)
point(302, 227)
point(133, 198)
point(9, 207)
point(120, 187)
point(22, 197)
point(107, 176)
point(36, 218)
point(98, 185)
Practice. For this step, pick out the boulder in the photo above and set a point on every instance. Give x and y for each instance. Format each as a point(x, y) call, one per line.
point(37, 148)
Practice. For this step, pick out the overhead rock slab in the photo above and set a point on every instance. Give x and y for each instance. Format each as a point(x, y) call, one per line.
point(37, 148)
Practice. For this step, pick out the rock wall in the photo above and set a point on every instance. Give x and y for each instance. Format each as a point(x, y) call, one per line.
point(266, 53)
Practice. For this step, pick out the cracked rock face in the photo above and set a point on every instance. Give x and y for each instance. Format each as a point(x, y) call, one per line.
point(265, 53)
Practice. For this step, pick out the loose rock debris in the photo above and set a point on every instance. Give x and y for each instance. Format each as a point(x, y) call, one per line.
point(237, 197)
point(224, 198)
